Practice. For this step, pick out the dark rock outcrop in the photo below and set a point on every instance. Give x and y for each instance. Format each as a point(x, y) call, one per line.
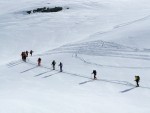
point(45, 10)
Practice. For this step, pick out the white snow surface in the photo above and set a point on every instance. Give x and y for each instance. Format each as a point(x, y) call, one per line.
point(110, 36)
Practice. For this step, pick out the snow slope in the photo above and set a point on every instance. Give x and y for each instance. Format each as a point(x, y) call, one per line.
point(30, 89)
point(133, 33)
point(83, 20)
point(109, 36)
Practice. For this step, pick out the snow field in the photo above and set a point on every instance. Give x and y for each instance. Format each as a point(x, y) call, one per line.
point(109, 36)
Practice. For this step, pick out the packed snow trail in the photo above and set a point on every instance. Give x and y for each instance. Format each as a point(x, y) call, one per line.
point(71, 74)
point(110, 66)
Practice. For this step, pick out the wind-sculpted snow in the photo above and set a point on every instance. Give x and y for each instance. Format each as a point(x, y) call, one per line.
point(92, 46)
point(102, 48)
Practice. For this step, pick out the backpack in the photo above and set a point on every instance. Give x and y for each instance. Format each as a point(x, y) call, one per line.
point(94, 72)
point(137, 78)
point(39, 60)
point(53, 63)
point(60, 64)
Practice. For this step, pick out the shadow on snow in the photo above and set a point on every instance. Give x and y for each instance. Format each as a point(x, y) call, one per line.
point(82, 76)
point(43, 73)
point(124, 91)
point(29, 69)
point(50, 75)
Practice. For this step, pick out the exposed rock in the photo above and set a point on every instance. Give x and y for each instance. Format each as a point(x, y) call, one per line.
point(45, 10)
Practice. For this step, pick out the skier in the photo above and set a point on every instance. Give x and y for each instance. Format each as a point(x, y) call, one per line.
point(27, 53)
point(25, 57)
point(137, 79)
point(53, 64)
point(31, 52)
point(23, 54)
point(60, 64)
point(39, 61)
point(94, 72)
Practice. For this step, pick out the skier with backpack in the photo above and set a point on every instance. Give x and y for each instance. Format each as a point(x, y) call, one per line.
point(94, 72)
point(24, 56)
point(60, 65)
point(31, 52)
point(39, 61)
point(27, 53)
point(137, 79)
point(53, 64)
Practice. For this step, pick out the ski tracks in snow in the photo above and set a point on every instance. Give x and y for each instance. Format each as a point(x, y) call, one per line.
point(120, 26)
point(102, 48)
point(132, 22)
point(110, 66)
point(55, 72)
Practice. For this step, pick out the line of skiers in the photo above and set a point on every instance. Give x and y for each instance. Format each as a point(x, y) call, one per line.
point(25, 55)
point(137, 78)
point(53, 64)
